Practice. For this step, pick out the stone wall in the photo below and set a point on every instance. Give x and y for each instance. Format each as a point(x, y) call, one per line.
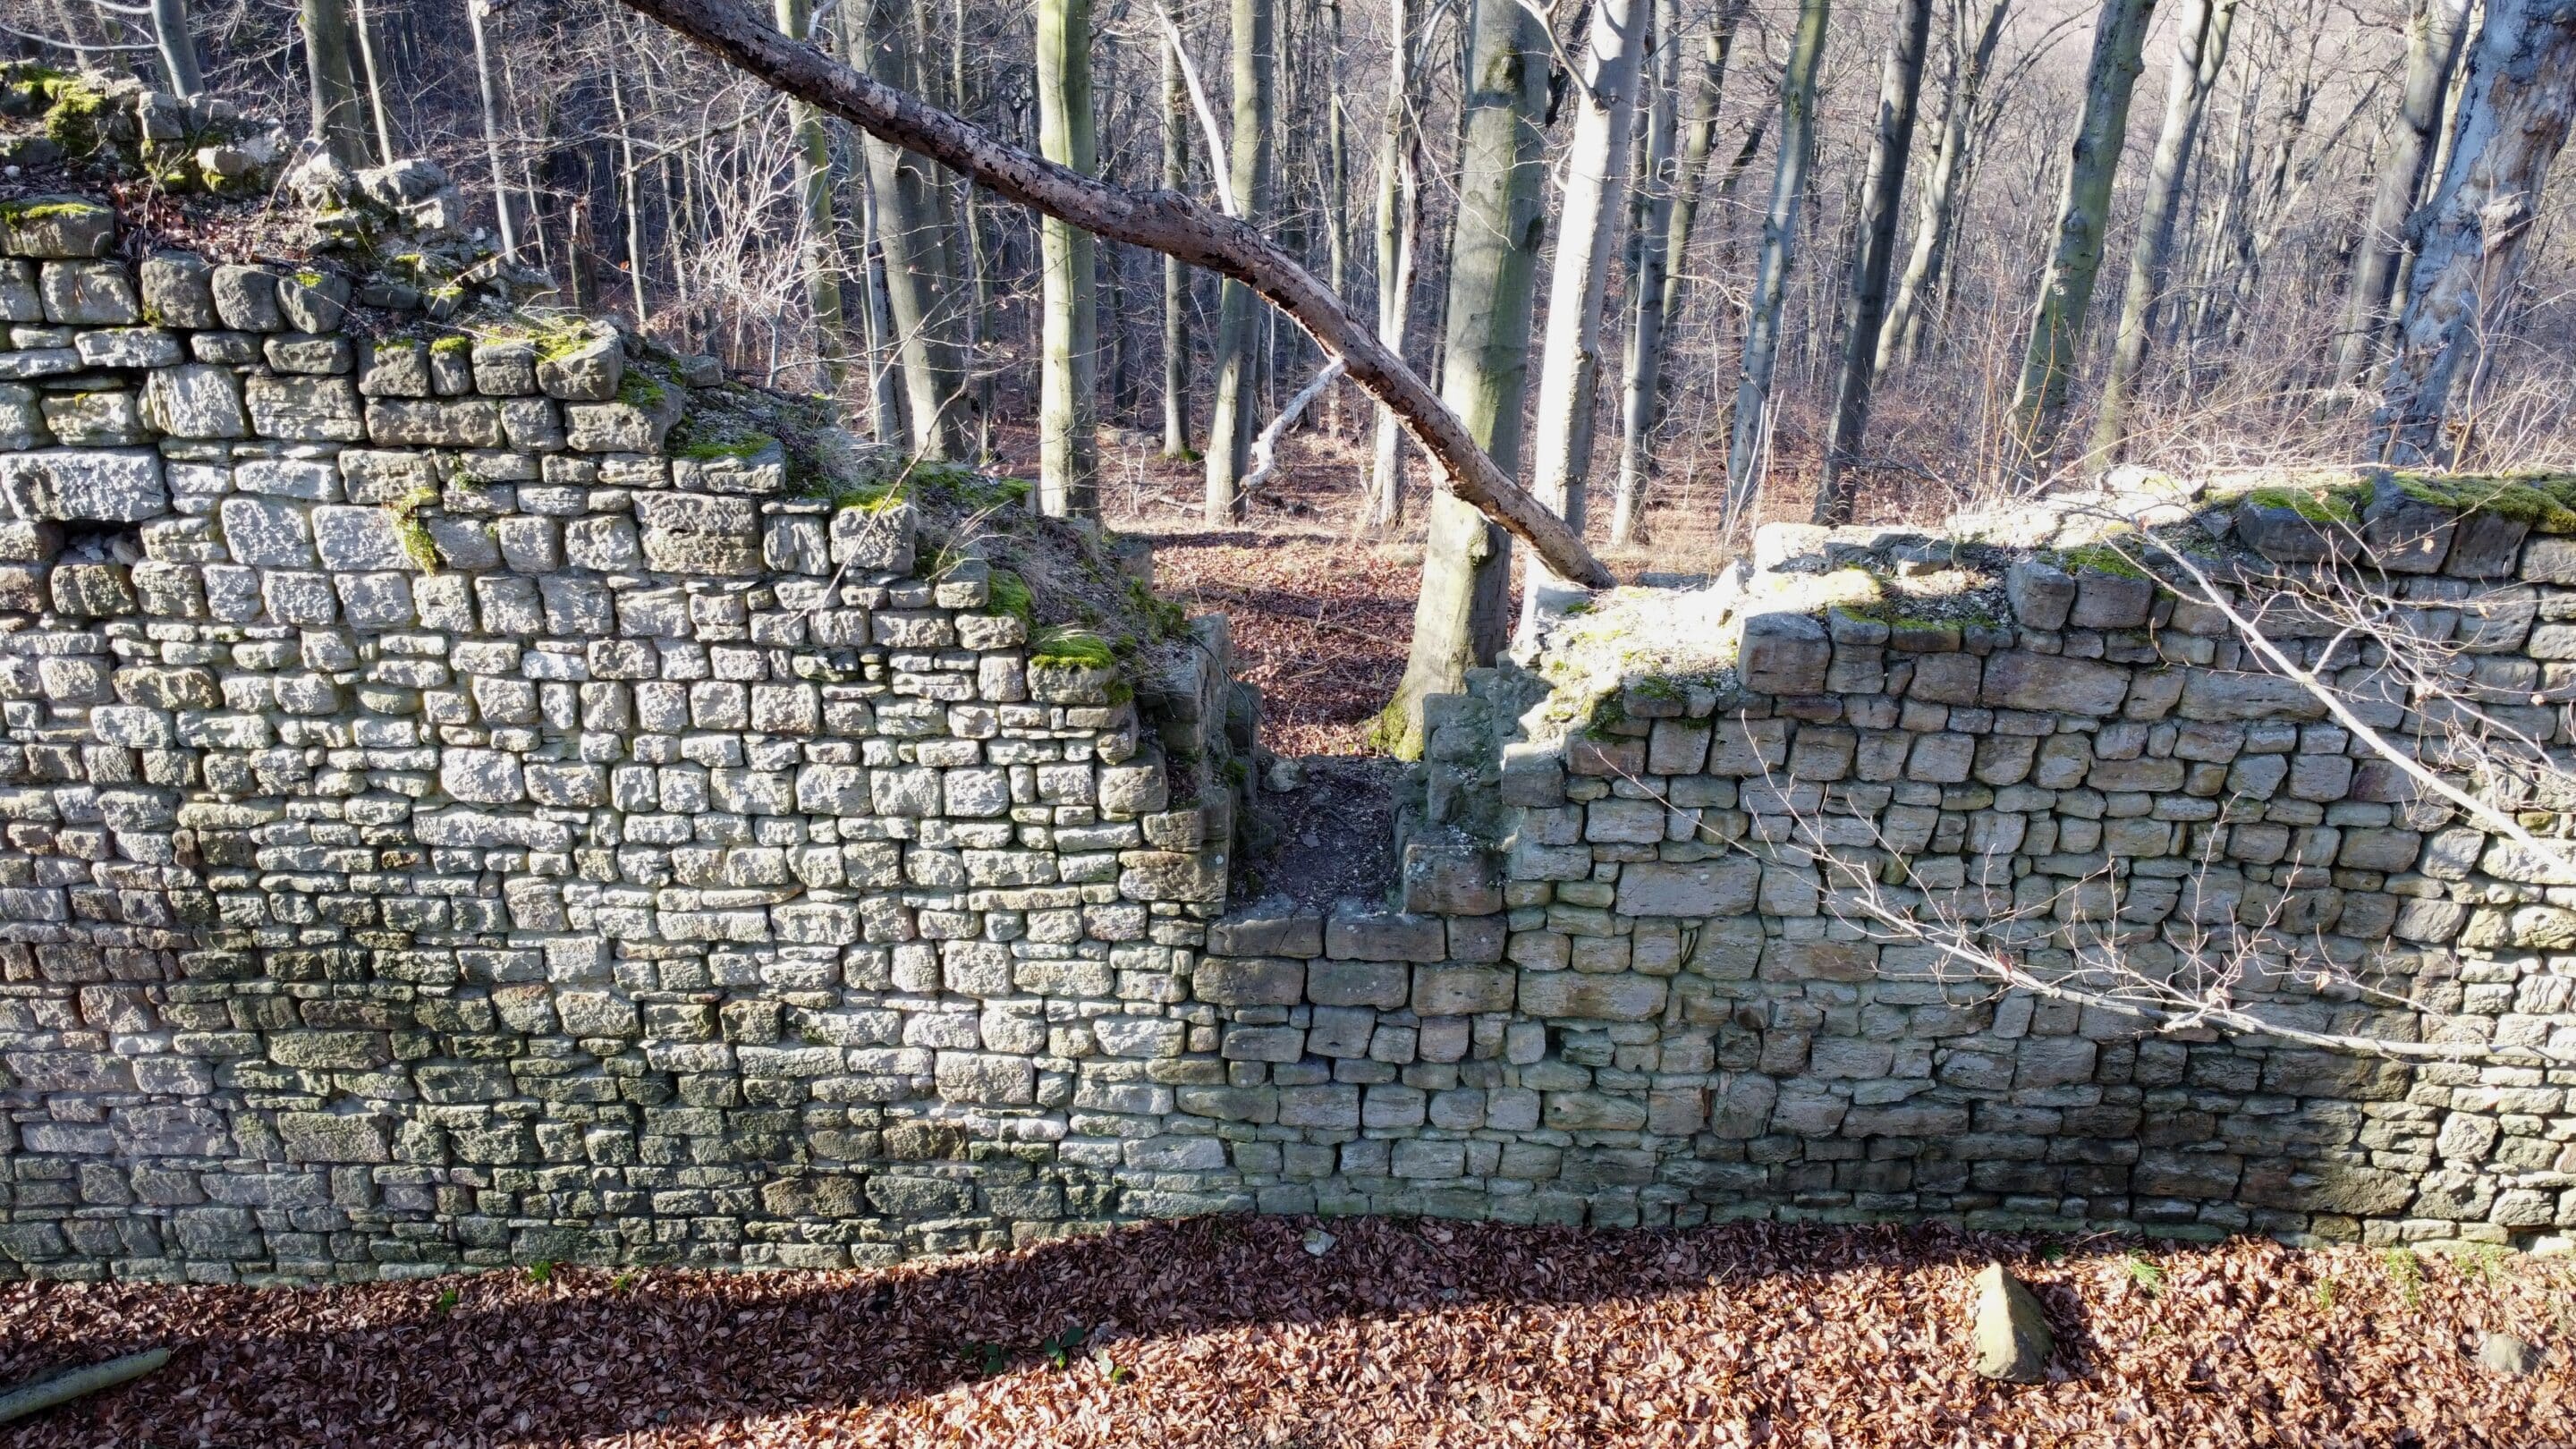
point(444, 821)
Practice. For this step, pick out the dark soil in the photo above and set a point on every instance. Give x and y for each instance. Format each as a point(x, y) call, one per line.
point(1335, 836)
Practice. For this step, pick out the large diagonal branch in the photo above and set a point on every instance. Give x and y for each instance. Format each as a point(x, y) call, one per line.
point(1159, 221)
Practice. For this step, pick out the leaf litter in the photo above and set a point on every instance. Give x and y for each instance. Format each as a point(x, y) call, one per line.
point(1233, 1332)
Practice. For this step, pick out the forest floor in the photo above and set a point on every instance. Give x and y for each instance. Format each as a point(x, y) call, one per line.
point(1278, 1333)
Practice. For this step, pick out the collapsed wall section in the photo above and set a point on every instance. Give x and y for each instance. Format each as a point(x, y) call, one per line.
point(1629, 985)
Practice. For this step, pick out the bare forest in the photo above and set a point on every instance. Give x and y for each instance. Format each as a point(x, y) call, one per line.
point(1679, 266)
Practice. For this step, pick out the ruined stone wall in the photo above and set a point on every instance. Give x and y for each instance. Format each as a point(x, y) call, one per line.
point(443, 825)
point(1621, 991)
point(444, 821)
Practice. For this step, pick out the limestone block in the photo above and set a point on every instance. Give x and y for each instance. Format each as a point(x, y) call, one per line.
point(2018, 679)
point(352, 539)
point(2212, 694)
point(305, 409)
point(2485, 546)
point(1784, 653)
point(1260, 932)
point(618, 427)
point(178, 291)
point(1724, 887)
point(588, 371)
point(2110, 600)
point(2041, 594)
point(1461, 990)
point(66, 484)
point(19, 299)
point(324, 355)
point(129, 347)
point(2406, 535)
point(1383, 984)
point(1252, 981)
point(57, 227)
point(2011, 1334)
point(504, 367)
point(874, 540)
point(195, 400)
point(394, 367)
point(1354, 934)
point(406, 422)
point(988, 1078)
point(88, 294)
point(1451, 878)
point(331, 1137)
point(313, 301)
point(109, 418)
point(1617, 996)
point(38, 362)
point(2284, 535)
point(246, 299)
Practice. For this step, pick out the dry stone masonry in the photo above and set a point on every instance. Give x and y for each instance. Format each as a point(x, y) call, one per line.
point(477, 788)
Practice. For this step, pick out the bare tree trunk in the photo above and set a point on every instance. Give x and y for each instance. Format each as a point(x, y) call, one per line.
point(979, 269)
point(2433, 37)
point(2514, 116)
point(1174, 225)
point(2200, 53)
point(920, 289)
point(1900, 85)
point(1936, 213)
point(1337, 187)
point(375, 81)
point(822, 221)
point(1176, 277)
point(1462, 617)
point(475, 11)
point(178, 48)
point(1237, 362)
point(1068, 447)
point(1650, 219)
point(1789, 179)
point(2083, 211)
point(1587, 230)
point(333, 75)
point(629, 201)
point(1399, 217)
point(1699, 134)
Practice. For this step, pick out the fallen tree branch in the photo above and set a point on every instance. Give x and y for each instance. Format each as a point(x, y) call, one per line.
point(1159, 221)
point(1265, 448)
point(62, 1388)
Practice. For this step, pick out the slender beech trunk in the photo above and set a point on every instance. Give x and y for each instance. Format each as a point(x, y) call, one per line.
point(2083, 210)
point(2433, 37)
point(1399, 217)
point(177, 47)
point(1068, 448)
point(1650, 218)
point(821, 218)
point(1237, 336)
point(2514, 114)
point(1462, 617)
point(1176, 277)
point(884, 410)
point(1900, 86)
point(337, 120)
point(1744, 457)
point(920, 287)
point(375, 79)
point(1906, 332)
point(979, 264)
point(1587, 232)
point(474, 17)
point(629, 200)
point(1699, 135)
point(2200, 53)
point(1337, 187)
